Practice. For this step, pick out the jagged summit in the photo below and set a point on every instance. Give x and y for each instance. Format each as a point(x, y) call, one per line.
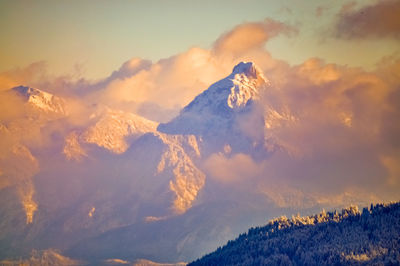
point(220, 103)
point(42, 100)
point(24, 91)
point(249, 69)
point(243, 84)
point(29, 92)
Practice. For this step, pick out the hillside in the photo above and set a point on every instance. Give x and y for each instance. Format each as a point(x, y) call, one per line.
point(350, 237)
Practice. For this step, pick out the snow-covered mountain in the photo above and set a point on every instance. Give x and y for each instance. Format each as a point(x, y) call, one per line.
point(161, 171)
point(216, 108)
point(42, 100)
point(113, 130)
point(116, 130)
point(119, 175)
point(229, 114)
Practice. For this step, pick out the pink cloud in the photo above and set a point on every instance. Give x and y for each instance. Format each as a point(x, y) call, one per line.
point(250, 36)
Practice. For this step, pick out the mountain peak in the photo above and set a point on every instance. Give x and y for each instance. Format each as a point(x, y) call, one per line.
point(26, 91)
point(42, 100)
point(220, 103)
point(30, 93)
point(247, 68)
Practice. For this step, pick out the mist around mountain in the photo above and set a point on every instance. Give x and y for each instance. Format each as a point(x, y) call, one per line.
point(51, 257)
point(349, 237)
point(107, 183)
point(95, 182)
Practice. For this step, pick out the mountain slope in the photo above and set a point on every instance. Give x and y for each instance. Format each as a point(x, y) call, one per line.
point(41, 100)
point(113, 130)
point(114, 177)
point(165, 170)
point(216, 107)
point(348, 238)
point(220, 114)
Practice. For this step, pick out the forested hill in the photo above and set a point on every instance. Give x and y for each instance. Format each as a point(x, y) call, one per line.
point(329, 238)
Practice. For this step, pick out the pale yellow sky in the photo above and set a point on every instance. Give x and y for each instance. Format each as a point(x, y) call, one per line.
point(98, 36)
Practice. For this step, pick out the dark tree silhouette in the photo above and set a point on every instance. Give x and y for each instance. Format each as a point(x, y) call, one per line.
point(346, 238)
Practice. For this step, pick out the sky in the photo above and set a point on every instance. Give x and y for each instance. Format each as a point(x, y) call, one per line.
point(333, 105)
point(93, 38)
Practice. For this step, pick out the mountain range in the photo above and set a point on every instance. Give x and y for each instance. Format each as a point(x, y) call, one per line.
point(109, 184)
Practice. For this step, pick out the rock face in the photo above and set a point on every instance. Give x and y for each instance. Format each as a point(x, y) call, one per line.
point(187, 180)
point(167, 172)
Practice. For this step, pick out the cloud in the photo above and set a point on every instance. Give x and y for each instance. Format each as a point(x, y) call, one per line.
point(130, 68)
point(250, 36)
point(240, 168)
point(319, 11)
point(38, 75)
point(11, 106)
point(33, 73)
point(374, 21)
point(343, 119)
point(146, 88)
point(334, 122)
point(336, 125)
point(166, 85)
point(157, 90)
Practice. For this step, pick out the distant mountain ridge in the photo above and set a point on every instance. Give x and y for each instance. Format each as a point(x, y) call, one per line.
point(42, 100)
point(107, 176)
point(347, 238)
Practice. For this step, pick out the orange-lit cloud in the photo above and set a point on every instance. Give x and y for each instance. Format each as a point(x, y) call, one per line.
point(250, 36)
point(380, 19)
point(34, 73)
point(183, 76)
point(238, 169)
point(336, 126)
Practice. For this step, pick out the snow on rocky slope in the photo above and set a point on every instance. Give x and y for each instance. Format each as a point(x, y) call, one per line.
point(215, 108)
point(119, 170)
point(42, 100)
point(230, 114)
point(112, 130)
